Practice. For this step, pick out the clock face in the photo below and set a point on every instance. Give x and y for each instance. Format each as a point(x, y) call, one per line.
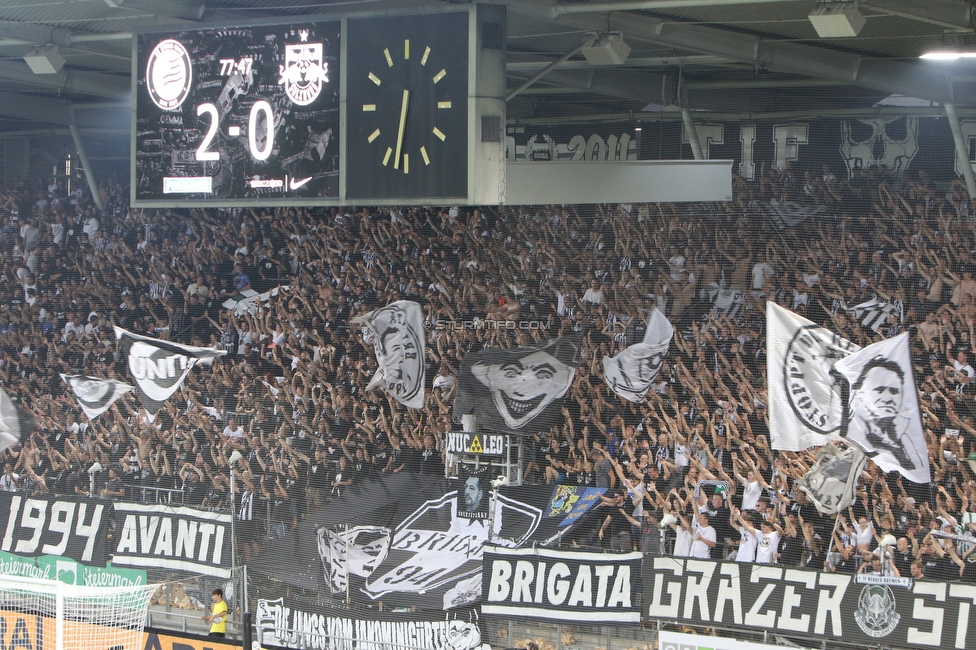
point(407, 107)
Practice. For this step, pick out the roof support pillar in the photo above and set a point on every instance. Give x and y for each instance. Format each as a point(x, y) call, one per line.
point(89, 173)
point(696, 148)
point(962, 148)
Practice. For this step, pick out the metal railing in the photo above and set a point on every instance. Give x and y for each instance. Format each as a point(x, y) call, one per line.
point(168, 496)
point(190, 623)
point(182, 599)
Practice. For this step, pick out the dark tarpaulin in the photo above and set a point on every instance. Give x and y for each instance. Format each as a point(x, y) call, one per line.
point(406, 544)
point(294, 559)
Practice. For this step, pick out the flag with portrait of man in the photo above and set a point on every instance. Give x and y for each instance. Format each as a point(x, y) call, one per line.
point(882, 416)
point(473, 493)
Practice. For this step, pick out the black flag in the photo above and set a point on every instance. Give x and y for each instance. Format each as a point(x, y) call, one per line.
point(518, 391)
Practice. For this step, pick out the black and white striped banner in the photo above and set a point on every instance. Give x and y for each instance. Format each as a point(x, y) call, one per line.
point(873, 313)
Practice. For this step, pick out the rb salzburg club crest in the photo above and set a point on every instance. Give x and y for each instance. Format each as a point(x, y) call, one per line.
point(304, 71)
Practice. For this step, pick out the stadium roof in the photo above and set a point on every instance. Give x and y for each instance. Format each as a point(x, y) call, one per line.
point(721, 58)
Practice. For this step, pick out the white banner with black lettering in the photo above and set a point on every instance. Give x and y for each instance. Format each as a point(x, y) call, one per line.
point(883, 408)
point(168, 537)
point(286, 623)
point(397, 332)
point(572, 586)
point(94, 394)
point(806, 407)
point(631, 371)
point(159, 367)
point(42, 525)
point(800, 603)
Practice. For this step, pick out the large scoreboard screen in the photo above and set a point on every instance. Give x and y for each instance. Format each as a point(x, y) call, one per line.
point(237, 115)
point(373, 108)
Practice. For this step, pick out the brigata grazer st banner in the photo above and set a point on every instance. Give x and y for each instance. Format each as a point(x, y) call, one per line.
point(237, 114)
point(865, 610)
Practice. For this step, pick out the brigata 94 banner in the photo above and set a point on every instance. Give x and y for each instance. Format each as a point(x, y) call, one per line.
point(797, 602)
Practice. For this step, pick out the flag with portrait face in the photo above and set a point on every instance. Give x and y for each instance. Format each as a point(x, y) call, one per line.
point(806, 406)
point(473, 493)
point(397, 331)
point(631, 371)
point(159, 367)
point(882, 415)
point(94, 394)
point(518, 391)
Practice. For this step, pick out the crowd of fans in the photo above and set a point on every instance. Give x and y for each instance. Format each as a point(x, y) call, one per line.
point(289, 395)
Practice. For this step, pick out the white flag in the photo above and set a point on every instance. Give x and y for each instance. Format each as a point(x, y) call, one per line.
point(95, 395)
point(831, 483)
point(16, 424)
point(398, 338)
point(883, 408)
point(159, 367)
point(630, 373)
point(806, 407)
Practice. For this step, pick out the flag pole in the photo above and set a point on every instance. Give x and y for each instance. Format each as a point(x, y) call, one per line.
point(833, 534)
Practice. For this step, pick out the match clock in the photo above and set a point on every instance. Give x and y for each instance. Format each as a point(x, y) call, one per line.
point(407, 106)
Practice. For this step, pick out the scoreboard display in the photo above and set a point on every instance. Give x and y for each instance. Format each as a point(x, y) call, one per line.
point(238, 113)
point(321, 110)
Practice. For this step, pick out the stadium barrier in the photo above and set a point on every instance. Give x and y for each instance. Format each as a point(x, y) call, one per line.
point(164, 640)
point(21, 630)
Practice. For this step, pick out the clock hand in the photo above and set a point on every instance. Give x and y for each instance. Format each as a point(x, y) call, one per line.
point(403, 123)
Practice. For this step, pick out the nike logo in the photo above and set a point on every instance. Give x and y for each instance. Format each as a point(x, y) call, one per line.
point(294, 185)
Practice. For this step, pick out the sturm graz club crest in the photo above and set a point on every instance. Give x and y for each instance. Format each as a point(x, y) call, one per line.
point(876, 614)
point(169, 74)
point(304, 71)
point(813, 391)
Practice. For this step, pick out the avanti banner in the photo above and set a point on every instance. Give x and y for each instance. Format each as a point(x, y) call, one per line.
point(170, 537)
